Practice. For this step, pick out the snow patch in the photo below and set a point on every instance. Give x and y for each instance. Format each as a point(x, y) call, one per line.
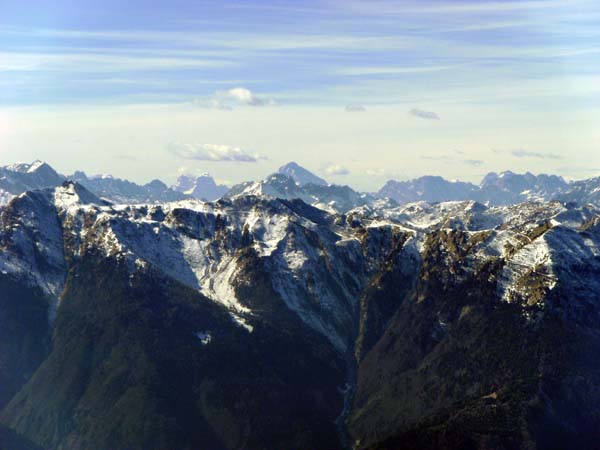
point(204, 336)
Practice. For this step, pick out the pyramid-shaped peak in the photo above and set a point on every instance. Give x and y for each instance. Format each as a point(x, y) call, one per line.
point(301, 175)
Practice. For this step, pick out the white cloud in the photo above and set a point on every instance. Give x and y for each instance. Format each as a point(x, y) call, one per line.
point(337, 170)
point(212, 152)
point(430, 115)
point(244, 96)
point(238, 96)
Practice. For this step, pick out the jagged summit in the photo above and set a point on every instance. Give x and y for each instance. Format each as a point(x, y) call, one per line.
point(202, 187)
point(294, 181)
point(21, 177)
point(23, 167)
point(504, 188)
point(331, 198)
point(71, 192)
point(301, 175)
point(427, 188)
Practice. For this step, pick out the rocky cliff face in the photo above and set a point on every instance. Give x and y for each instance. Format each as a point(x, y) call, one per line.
point(488, 351)
point(253, 322)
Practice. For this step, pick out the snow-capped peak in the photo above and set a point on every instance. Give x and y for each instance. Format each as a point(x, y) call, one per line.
point(19, 167)
point(22, 167)
point(301, 175)
point(73, 194)
point(36, 165)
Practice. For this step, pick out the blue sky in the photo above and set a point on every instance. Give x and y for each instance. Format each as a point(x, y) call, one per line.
point(357, 91)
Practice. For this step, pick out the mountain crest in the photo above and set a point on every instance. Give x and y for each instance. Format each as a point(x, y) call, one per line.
point(301, 175)
point(202, 187)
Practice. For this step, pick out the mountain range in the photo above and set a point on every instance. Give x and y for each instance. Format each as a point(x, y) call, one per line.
point(506, 188)
point(293, 181)
point(260, 321)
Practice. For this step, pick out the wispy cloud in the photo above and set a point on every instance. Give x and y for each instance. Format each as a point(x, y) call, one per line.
point(473, 162)
point(231, 40)
point(70, 62)
point(337, 170)
point(212, 152)
point(422, 114)
point(391, 70)
point(520, 153)
point(394, 7)
point(453, 159)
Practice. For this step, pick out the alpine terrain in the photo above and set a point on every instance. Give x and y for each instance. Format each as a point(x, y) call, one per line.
point(296, 314)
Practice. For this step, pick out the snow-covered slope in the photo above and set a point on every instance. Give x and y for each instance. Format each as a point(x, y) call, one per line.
point(405, 294)
point(331, 198)
point(317, 269)
point(318, 263)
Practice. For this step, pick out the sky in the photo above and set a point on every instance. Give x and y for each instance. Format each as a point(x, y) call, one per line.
point(357, 91)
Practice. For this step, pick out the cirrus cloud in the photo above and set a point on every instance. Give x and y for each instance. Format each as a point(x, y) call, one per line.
point(212, 152)
point(520, 153)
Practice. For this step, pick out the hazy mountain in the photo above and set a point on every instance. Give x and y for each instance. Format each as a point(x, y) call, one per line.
point(203, 187)
point(506, 188)
point(258, 323)
point(21, 177)
point(428, 189)
point(301, 175)
point(293, 181)
point(582, 192)
point(121, 191)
